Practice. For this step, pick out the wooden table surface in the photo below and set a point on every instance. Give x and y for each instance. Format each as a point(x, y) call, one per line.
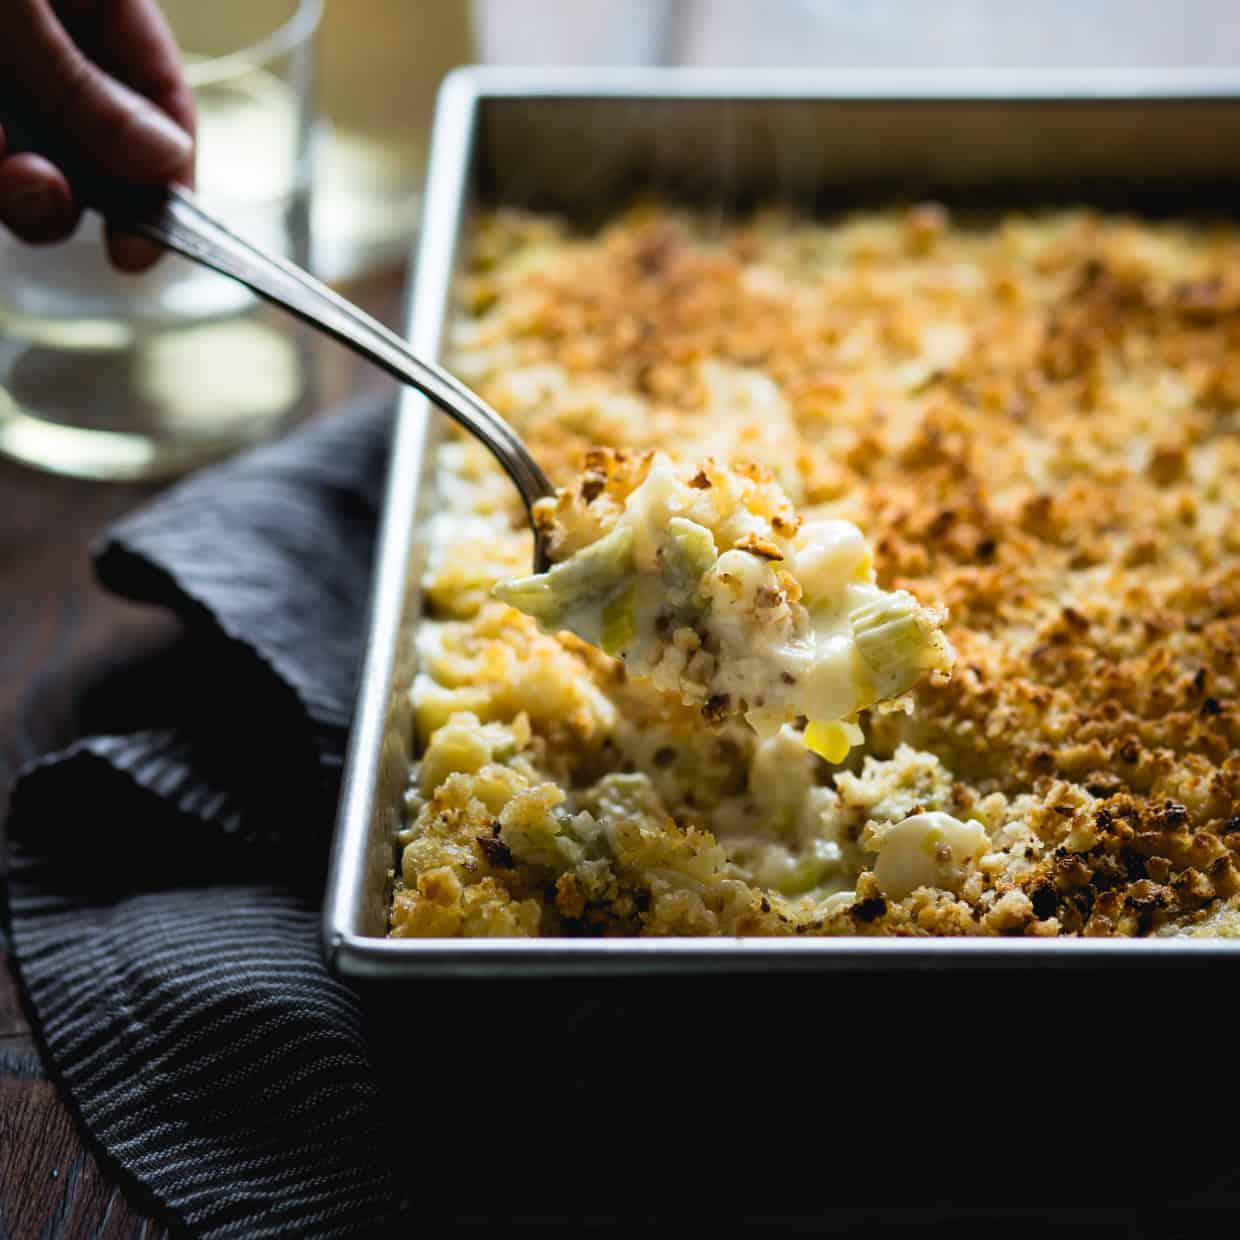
point(55, 625)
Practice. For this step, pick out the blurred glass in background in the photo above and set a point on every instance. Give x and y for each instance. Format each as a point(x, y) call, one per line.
point(112, 376)
point(381, 63)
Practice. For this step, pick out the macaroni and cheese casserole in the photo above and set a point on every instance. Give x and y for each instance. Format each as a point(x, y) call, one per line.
point(992, 462)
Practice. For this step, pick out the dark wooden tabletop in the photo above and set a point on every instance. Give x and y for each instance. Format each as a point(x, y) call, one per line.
point(55, 623)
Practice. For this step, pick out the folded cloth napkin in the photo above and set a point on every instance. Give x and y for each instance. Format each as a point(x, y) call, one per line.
point(165, 877)
point(164, 892)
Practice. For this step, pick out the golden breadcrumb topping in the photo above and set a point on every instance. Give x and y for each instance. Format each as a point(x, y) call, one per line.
point(1033, 418)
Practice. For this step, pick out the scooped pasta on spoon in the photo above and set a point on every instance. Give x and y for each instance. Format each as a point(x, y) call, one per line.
point(707, 582)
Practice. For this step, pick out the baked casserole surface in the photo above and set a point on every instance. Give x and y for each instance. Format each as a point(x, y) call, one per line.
point(1032, 417)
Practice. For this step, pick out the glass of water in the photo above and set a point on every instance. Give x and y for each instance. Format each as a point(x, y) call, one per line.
point(380, 66)
point(107, 375)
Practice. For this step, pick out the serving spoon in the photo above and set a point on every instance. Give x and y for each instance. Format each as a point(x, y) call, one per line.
point(173, 216)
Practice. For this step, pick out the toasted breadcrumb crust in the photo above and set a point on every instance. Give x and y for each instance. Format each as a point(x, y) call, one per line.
point(743, 495)
point(1034, 418)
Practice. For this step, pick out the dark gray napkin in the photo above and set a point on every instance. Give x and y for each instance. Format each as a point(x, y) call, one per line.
point(164, 894)
point(165, 878)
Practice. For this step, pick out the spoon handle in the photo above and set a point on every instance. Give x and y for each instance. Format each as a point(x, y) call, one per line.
point(173, 216)
point(182, 224)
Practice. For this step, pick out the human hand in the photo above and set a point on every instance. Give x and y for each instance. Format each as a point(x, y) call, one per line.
point(107, 77)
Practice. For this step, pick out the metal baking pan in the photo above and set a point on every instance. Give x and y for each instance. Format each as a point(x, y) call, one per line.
point(578, 141)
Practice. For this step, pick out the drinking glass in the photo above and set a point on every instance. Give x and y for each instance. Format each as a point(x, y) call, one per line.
point(108, 375)
point(381, 63)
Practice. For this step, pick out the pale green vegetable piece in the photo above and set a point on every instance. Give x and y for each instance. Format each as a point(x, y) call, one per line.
point(592, 577)
point(897, 640)
point(619, 624)
point(689, 552)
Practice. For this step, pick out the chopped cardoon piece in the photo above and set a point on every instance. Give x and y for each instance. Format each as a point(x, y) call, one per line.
point(898, 640)
point(708, 583)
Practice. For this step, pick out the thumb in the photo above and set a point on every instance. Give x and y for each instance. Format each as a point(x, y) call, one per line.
point(113, 126)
